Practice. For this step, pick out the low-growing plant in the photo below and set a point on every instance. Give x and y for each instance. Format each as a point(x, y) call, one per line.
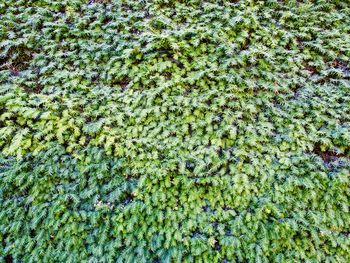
point(174, 131)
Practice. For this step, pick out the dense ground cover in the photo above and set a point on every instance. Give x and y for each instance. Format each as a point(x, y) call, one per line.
point(174, 131)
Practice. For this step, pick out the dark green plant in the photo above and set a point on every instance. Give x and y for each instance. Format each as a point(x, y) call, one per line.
point(174, 131)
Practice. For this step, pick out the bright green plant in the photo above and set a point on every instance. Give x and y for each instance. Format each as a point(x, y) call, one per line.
point(174, 131)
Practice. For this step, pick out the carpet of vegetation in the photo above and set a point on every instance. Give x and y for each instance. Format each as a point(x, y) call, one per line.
point(174, 131)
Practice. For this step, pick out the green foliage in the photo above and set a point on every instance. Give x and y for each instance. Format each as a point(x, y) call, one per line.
point(174, 131)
